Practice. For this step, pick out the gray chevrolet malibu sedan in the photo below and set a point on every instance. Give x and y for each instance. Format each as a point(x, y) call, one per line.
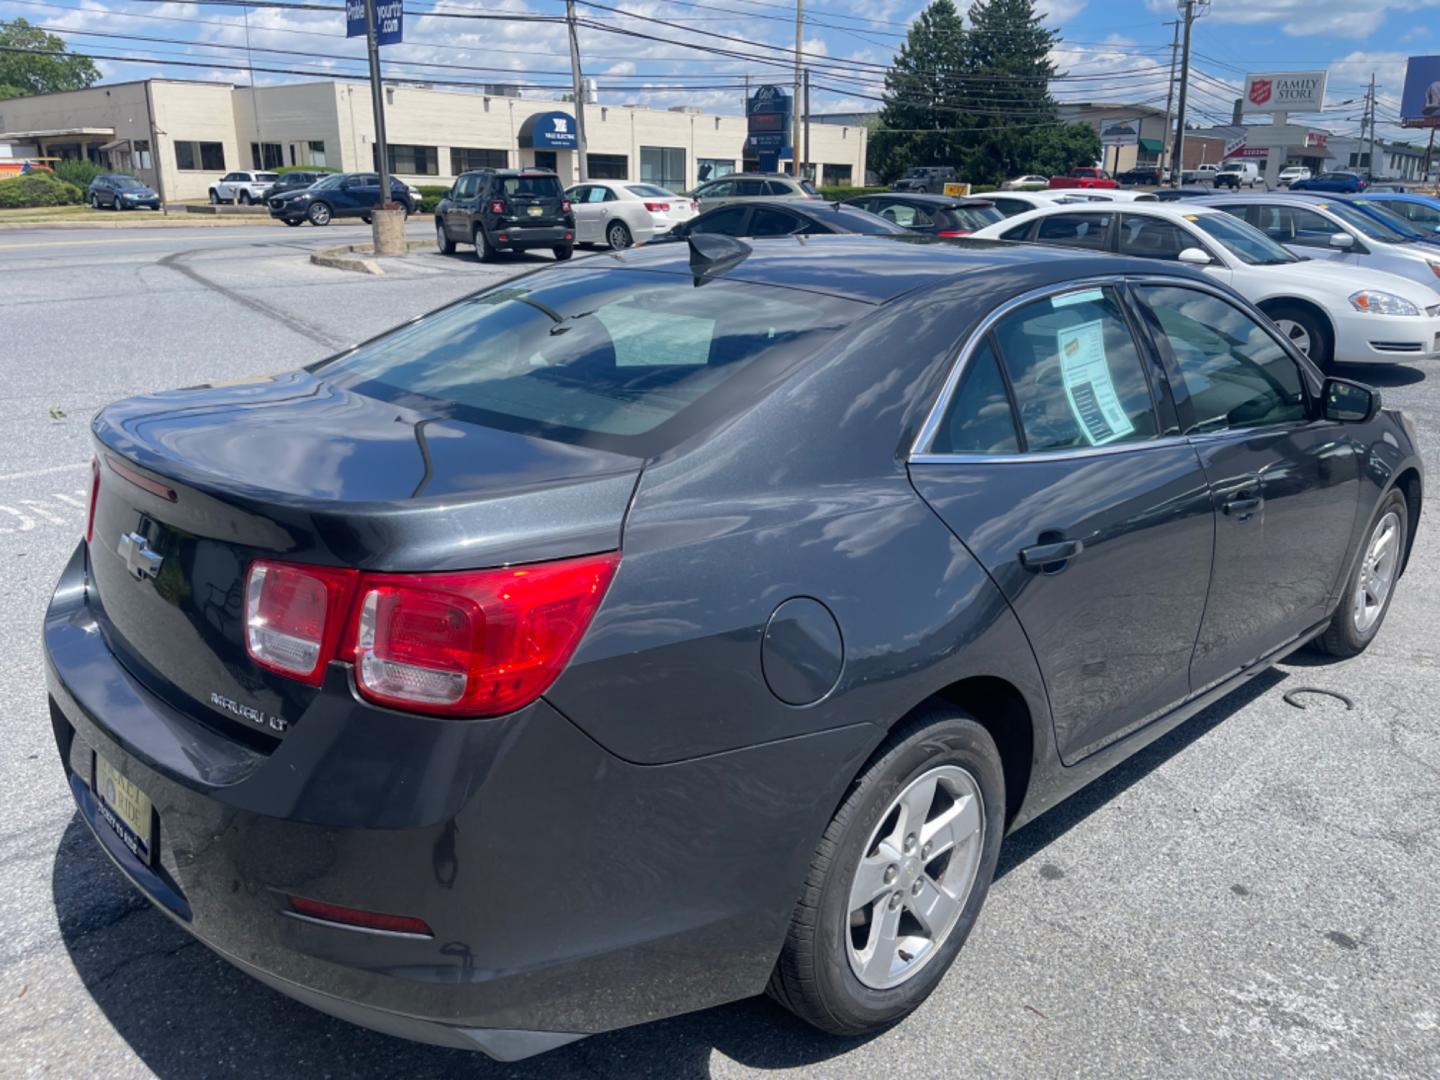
point(660, 629)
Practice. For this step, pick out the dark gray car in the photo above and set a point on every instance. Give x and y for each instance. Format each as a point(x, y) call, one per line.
point(671, 626)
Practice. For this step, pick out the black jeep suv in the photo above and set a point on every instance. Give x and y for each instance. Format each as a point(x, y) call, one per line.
point(506, 210)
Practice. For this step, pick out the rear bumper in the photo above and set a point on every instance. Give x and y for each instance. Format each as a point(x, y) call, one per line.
point(518, 237)
point(570, 892)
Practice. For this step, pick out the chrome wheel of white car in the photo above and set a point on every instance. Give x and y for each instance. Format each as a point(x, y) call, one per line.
point(1298, 335)
point(618, 236)
point(1377, 572)
point(915, 875)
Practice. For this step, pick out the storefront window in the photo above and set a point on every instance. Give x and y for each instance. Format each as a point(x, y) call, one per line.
point(141, 150)
point(608, 166)
point(713, 168)
point(199, 156)
point(317, 152)
point(467, 158)
point(545, 159)
point(414, 160)
point(663, 165)
point(274, 155)
point(836, 175)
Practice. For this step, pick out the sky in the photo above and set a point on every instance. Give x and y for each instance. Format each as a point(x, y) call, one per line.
point(642, 51)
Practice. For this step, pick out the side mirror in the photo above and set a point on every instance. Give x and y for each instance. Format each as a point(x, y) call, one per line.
point(1194, 257)
point(1342, 240)
point(1349, 402)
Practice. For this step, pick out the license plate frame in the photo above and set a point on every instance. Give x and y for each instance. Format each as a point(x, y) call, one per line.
point(125, 808)
point(535, 211)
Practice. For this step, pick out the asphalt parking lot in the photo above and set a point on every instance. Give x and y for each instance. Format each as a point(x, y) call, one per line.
point(1253, 895)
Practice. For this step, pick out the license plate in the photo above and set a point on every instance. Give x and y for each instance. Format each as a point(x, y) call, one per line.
point(535, 211)
point(125, 808)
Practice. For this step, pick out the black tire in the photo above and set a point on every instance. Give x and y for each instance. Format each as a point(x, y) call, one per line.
point(244, 198)
point(294, 222)
point(214, 197)
point(365, 218)
point(1321, 349)
point(318, 213)
point(94, 202)
point(563, 252)
point(813, 977)
point(617, 236)
point(1343, 638)
point(442, 241)
point(484, 251)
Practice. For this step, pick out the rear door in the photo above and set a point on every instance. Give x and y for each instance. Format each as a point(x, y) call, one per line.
point(458, 210)
point(1057, 461)
point(1286, 483)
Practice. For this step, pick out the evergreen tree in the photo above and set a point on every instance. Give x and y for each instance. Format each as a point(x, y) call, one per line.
point(918, 119)
point(1010, 72)
point(28, 72)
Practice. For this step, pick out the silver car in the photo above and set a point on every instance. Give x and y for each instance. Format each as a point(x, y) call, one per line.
point(740, 186)
point(618, 213)
point(1324, 227)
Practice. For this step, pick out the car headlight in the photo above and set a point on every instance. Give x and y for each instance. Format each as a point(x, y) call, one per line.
point(1382, 303)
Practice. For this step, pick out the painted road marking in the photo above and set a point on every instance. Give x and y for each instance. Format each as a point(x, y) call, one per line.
point(27, 474)
point(28, 515)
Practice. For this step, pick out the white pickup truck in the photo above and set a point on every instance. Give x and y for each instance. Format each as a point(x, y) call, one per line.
point(1200, 174)
point(242, 187)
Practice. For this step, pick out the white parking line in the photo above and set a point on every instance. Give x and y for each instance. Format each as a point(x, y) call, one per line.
point(43, 472)
point(29, 514)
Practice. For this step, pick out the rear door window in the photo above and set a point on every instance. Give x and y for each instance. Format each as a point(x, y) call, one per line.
point(466, 186)
point(979, 419)
point(749, 188)
point(1153, 238)
point(1076, 372)
point(1076, 230)
point(729, 221)
point(622, 359)
point(767, 221)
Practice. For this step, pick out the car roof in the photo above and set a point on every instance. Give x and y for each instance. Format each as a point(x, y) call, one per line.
point(878, 269)
point(1170, 210)
point(924, 197)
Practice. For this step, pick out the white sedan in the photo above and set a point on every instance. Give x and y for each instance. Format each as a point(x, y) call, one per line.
point(1020, 183)
point(618, 213)
point(1329, 312)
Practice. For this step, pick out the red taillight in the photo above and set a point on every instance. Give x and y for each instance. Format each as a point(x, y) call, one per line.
point(476, 643)
point(497, 206)
point(365, 920)
point(294, 616)
point(953, 232)
point(95, 497)
point(658, 207)
point(565, 206)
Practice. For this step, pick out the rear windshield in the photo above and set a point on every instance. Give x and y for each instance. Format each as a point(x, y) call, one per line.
point(620, 359)
point(267, 177)
point(973, 218)
point(862, 221)
point(650, 191)
point(544, 186)
point(807, 187)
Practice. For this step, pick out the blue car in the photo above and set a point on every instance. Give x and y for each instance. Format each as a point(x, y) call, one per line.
point(338, 195)
point(1373, 207)
point(1420, 212)
point(1351, 182)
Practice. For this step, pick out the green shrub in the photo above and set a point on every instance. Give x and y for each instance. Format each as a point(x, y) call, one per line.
point(302, 168)
point(78, 171)
point(38, 189)
point(430, 196)
point(841, 192)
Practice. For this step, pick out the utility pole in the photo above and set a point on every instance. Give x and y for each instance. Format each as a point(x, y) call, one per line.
point(806, 159)
point(1370, 111)
point(795, 98)
point(580, 147)
point(1168, 152)
point(1188, 9)
point(377, 97)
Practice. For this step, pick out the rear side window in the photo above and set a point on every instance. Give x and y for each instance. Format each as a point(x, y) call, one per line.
point(1153, 238)
point(979, 420)
point(1076, 372)
point(766, 221)
point(622, 359)
point(1235, 374)
point(1076, 230)
point(728, 221)
point(749, 187)
point(541, 186)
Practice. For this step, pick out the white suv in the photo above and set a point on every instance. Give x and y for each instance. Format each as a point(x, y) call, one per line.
point(242, 187)
point(1291, 173)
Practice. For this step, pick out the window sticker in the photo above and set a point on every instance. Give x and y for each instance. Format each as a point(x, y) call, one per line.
point(1088, 385)
point(1085, 296)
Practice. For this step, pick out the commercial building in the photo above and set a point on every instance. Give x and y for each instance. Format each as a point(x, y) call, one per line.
point(180, 136)
point(1131, 136)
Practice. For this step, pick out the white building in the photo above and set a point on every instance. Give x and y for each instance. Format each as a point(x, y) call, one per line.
point(181, 136)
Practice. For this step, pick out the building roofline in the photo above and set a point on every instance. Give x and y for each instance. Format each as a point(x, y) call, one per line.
point(110, 85)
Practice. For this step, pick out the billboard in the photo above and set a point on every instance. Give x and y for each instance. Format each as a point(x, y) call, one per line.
point(1120, 133)
point(1284, 91)
point(1420, 101)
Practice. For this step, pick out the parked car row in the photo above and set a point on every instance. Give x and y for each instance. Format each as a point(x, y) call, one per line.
point(623, 640)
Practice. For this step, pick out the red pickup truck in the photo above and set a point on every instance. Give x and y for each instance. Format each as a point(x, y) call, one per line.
point(1084, 178)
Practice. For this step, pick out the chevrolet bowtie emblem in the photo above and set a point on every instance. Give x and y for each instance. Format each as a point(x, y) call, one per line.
point(139, 558)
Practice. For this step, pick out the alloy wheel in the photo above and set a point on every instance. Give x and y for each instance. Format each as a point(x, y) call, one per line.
point(618, 237)
point(1377, 572)
point(1298, 335)
point(916, 874)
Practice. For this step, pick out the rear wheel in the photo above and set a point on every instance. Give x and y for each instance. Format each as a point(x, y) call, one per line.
point(563, 252)
point(1371, 583)
point(1306, 330)
point(483, 250)
point(294, 222)
point(94, 202)
point(617, 235)
point(898, 878)
point(319, 213)
point(443, 242)
point(214, 197)
point(244, 199)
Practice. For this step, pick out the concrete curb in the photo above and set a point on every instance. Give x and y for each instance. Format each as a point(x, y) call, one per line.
point(179, 221)
point(352, 256)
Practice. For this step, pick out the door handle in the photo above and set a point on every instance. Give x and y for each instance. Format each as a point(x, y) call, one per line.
point(1038, 556)
point(1242, 507)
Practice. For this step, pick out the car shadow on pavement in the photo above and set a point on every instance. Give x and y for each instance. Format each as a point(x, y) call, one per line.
point(185, 1012)
point(1381, 375)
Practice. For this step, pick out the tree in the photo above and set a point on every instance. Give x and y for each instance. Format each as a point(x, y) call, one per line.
point(918, 119)
point(1010, 73)
point(1058, 148)
point(30, 71)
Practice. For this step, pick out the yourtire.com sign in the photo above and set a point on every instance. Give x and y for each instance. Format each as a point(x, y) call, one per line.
point(389, 20)
point(1284, 91)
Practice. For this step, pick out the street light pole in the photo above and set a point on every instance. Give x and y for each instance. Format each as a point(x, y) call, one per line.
point(1178, 162)
point(795, 97)
point(1168, 152)
point(377, 97)
point(580, 152)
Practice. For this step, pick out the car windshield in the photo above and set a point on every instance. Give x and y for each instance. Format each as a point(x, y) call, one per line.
point(649, 191)
point(1245, 242)
point(126, 183)
point(1393, 218)
point(1363, 223)
point(532, 185)
point(617, 358)
point(333, 180)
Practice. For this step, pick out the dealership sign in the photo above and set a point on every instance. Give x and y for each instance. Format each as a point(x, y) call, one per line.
point(768, 113)
point(389, 20)
point(1284, 91)
point(1120, 133)
point(1420, 100)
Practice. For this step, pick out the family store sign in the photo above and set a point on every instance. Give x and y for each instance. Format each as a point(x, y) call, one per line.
point(1285, 91)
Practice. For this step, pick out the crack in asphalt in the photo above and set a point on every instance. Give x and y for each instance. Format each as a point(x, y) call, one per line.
point(175, 261)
